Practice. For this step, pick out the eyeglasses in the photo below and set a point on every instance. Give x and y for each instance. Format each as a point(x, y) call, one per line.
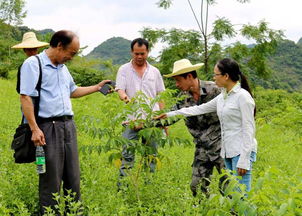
point(215, 75)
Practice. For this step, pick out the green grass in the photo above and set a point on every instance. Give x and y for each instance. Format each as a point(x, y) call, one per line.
point(277, 176)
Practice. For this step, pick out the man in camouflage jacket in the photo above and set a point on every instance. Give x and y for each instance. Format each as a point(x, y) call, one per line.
point(205, 129)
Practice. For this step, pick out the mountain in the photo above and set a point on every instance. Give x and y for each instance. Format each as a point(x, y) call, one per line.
point(41, 34)
point(24, 29)
point(286, 64)
point(116, 48)
point(300, 42)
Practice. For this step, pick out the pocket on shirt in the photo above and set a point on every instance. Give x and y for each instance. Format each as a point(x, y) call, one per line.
point(200, 155)
point(214, 135)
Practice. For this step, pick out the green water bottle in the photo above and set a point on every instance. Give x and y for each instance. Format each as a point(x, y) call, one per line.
point(40, 160)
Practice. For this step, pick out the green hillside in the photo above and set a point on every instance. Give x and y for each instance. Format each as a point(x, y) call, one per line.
point(286, 64)
point(40, 33)
point(116, 48)
point(300, 41)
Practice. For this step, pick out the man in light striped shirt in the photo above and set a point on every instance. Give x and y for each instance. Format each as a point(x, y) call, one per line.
point(137, 75)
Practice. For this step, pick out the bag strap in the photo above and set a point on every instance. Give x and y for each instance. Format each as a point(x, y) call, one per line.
point(38, 88)
point(18, 79)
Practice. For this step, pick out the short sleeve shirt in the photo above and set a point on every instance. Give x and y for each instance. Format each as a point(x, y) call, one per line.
point(151, 84)
point(56, 87)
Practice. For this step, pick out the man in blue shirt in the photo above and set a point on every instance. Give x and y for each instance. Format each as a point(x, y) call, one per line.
point(54, 128)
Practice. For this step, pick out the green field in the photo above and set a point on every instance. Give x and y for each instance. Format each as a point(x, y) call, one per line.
point(277, 174)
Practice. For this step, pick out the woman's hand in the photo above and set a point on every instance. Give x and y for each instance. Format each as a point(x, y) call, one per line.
point(241, 172)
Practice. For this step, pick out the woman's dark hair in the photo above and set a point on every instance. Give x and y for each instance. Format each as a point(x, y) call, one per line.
point(140, 42)
point(64, 37)
point(193, 73)
point(231, 67)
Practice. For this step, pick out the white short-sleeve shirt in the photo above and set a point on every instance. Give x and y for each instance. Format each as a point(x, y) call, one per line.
point(151, 83)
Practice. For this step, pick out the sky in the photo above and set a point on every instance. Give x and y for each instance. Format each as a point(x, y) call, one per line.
point(95, 21)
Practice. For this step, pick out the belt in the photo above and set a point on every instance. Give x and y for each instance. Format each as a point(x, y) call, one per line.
point(56, 118)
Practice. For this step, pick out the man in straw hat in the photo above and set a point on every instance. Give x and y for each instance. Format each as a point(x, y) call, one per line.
point(30, 44)
point(205, 129)
point(54, 128)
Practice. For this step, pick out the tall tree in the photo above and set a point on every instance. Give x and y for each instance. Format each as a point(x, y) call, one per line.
point(265, 38)
point(11, 11)
point(11, 14)
point(180, 44)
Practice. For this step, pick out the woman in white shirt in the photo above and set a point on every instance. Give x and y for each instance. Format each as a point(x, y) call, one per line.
point(235, 108)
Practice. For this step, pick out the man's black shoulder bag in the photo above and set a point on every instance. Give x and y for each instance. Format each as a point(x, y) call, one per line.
point(22, 145)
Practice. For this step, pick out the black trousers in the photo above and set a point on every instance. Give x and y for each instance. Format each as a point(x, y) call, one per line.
point(62, 161)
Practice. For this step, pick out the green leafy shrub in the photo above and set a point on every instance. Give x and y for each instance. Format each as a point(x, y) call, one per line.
point(277, 176)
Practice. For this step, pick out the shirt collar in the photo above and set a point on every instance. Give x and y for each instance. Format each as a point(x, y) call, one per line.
point(147, 68)
point(235, 89)
point(47, 61)
point(202, 88)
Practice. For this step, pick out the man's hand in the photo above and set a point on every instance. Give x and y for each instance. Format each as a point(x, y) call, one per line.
point(135, 126)
point(101, 84)
point(241, 171)
point(38, 137)
point(123, 96)
point(161, 116)
point(138, 127)
point(166, 131)
point(82, 91)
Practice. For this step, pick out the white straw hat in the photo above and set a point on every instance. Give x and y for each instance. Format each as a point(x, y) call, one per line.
point(183, 66)
point(30, 41)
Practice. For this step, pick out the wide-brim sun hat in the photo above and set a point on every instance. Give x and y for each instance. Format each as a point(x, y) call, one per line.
point(183, 66)
point(30, 41)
